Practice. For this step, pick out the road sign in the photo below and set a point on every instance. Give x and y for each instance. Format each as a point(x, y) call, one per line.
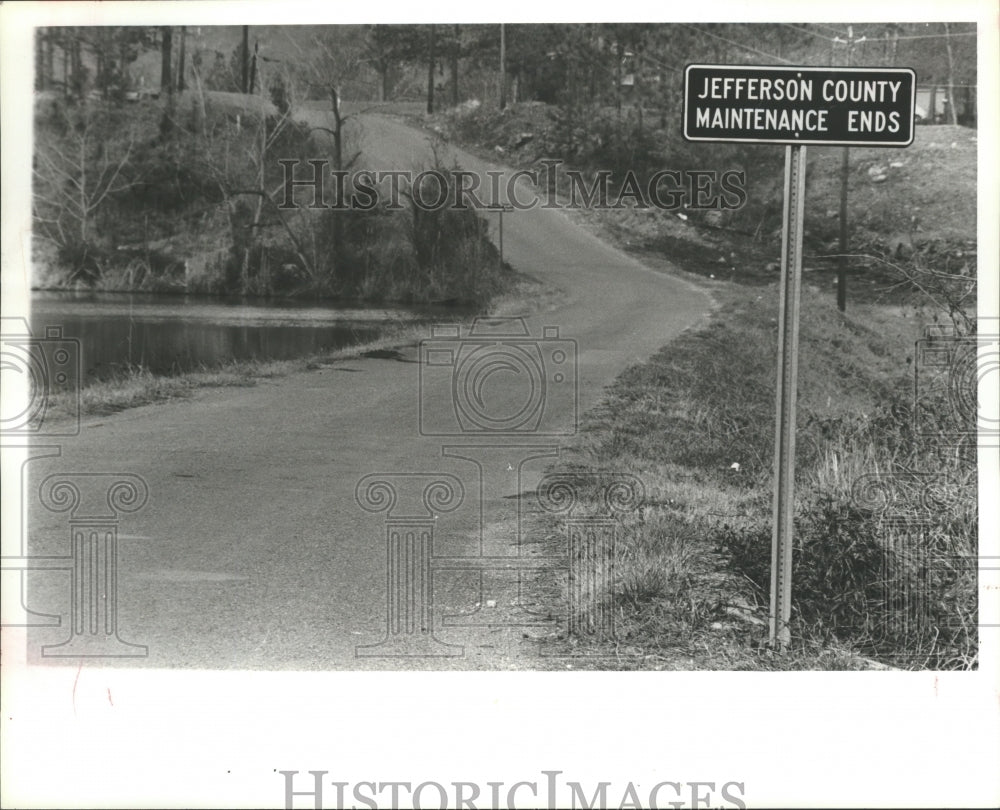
point(799, 105)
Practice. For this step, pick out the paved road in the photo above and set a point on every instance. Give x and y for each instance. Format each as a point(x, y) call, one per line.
point(252, 551)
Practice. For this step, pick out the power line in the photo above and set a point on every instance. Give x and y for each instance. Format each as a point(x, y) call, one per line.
point(646, 57)
point(830, 28)
point(813, 33)
point(940, 36)
point(873, 37)
point(737, 44)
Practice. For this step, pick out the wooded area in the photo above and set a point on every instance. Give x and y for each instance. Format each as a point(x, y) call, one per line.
point(116, 174)
point(626, 65)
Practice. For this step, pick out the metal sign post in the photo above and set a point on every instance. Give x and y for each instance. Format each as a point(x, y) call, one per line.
point(795, 106)
point(788, 372)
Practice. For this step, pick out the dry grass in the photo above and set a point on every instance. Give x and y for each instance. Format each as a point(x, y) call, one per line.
point(692, 573)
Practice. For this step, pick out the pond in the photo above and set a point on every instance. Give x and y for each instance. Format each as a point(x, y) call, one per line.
point(170, 334)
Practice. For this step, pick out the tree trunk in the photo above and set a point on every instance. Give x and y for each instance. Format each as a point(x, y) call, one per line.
point(637, 88)
point(431, 58)
point(932, 112)
point(50, 72)
point(968, 106)
point(951, 75)
point(253, 67)
point(102, 73)
point(39, 60)
point(383, 84)
point(166, 44)
point(338, 165)
point(65, 66)
point(122, 63)
point(619, 56)
point(503, 67)
point(454, 67)
point(181, 84)
point(201, 115)
point(338, 123)
point(245, 60)
point(77, 77)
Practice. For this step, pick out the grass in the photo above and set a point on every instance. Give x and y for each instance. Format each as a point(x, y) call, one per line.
point(693, 565)
point(874, 587)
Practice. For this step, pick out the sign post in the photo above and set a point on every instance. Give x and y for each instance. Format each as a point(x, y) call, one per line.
point(788, 375)
point(794, 106)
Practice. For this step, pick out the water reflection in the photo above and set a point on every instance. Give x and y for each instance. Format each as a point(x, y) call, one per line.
point(172, 334)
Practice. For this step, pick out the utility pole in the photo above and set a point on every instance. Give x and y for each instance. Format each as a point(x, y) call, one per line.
point(503, 67)
point(166, 47)
point(245, 60)
point(431, 58)
point(181, 85)
point(845, 166)
point(455, 48)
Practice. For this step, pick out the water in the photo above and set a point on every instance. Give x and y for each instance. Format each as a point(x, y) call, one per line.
point(169, 334)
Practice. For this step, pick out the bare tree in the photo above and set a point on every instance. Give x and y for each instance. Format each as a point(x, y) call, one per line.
point(76, 175)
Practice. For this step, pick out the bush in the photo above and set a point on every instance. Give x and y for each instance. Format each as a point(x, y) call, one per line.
point(884, 561)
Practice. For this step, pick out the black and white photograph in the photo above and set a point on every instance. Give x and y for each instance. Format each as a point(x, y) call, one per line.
point(406, 407)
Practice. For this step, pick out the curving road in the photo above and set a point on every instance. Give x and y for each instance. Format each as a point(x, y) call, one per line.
point(252, 551)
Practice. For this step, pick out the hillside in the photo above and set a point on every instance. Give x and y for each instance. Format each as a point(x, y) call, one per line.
point(902, 203)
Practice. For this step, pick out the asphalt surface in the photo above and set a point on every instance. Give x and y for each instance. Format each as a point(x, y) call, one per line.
point(252, 551)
